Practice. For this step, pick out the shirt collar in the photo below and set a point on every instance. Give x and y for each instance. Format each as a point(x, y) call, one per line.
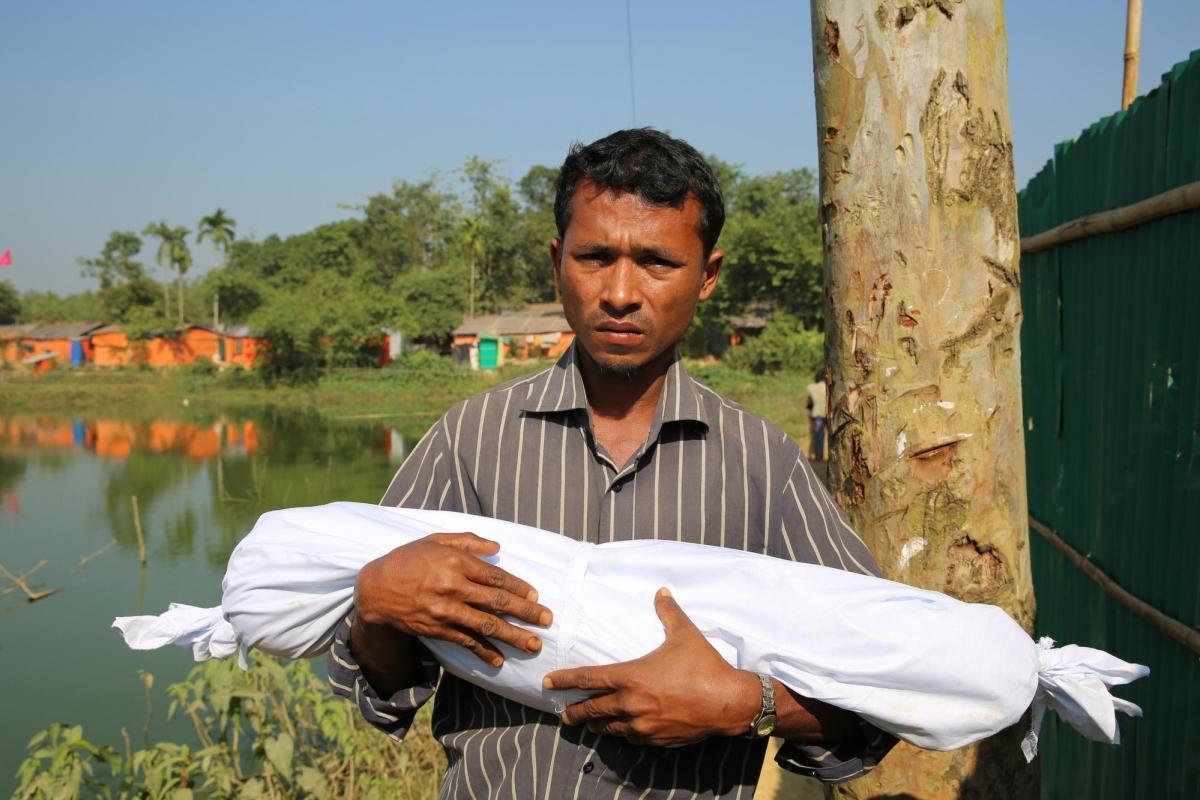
point(563, 390)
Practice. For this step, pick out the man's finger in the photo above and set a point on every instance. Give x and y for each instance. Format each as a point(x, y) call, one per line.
point(610, 727)
point(502, 601)
point(670, 614)
point(490, 575)
point(489, 626)
point(600, 707)
point(591, 678)
point(467, 542)
point(485, 650)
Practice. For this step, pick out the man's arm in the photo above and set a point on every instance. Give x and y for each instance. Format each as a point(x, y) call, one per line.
point(813, 528)
point(685, 691)
point(436, 587)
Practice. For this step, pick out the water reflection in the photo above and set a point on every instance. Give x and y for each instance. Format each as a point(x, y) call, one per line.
point(201, 480)
point(267, 460)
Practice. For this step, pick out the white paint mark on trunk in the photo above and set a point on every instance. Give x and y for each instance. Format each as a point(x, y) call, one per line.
point(910, 549)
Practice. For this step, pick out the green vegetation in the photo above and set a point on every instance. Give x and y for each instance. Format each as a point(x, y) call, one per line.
point(273, 731)
point(421, 257)
point(10, 303)
point(785, 345)
point(413, 391)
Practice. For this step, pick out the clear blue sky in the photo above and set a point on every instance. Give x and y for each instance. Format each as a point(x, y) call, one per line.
point(116, 114)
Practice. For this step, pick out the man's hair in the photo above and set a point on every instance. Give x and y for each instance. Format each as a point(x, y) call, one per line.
point(657, 168)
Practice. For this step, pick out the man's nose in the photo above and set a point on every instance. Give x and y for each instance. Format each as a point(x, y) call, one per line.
point(622, 294)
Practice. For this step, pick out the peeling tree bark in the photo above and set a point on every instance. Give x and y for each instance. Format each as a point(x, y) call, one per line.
point(921, 245)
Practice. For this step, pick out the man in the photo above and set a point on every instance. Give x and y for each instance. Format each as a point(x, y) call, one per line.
point(613, 442)
point(817, 393)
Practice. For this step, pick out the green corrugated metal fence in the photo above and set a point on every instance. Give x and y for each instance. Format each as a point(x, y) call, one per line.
point(1110, 366)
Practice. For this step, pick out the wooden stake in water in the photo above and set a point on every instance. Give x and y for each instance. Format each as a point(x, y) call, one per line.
point(137, 528)
point(18, 582)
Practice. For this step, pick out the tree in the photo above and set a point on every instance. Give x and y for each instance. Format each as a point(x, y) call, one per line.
point(537, 189)
point(124, 284)
point(218, 228)
point(772, 244)
point(491, 238)
point(163, 232)
point(918, 206)
point(10, 303)
point(49, 307)
point(407, 230)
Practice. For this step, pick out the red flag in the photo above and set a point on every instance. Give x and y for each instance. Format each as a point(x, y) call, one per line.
point(6, 258)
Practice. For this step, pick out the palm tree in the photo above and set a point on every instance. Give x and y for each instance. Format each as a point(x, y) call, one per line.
point(218, 227)
point(162, 231)
point(181, 259)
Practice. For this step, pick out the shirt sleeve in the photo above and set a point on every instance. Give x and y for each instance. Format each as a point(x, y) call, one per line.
point(815, 530)
point(840, 762)
point(812, 527)
point(425, 480)
point(393, 715)
point(428, 478)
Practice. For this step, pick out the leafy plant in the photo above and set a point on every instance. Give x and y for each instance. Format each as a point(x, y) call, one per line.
point(274, 731)
point(784, 344)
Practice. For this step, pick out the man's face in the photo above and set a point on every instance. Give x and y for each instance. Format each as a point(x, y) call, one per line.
point(630, 275)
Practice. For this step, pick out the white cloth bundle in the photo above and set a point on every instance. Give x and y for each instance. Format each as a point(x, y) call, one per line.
point(932, 670)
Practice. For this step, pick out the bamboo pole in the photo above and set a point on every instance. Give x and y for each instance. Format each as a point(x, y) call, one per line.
point(1187, 636)
point(1177, 200)
point(83, 561)
point(1133, 39)
point(18, 582)
point(137, 528)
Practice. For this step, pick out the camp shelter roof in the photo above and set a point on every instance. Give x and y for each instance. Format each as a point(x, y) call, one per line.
point(754, 317)
point(63, 330)
point(17, 331)
point(536, 318)
point(236, 331)
point(39, 358)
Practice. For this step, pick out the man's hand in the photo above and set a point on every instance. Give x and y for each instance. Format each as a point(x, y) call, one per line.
point(438, 587)
point(679, 693)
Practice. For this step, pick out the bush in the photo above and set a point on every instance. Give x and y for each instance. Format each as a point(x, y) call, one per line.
point(200, 368)
point(784, 345)
point(425, 362)
point(274, 731)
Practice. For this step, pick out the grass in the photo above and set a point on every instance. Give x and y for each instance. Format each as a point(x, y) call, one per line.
point(419, 395)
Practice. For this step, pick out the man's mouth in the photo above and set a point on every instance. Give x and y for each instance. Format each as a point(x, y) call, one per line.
point(619, 332)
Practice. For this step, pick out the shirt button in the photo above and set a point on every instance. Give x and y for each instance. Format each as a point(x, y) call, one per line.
point(617, 486)
point(588, 767)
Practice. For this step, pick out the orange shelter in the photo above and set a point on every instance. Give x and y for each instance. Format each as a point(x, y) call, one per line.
point(111, 347)
point(11, 336)
point(61, 338)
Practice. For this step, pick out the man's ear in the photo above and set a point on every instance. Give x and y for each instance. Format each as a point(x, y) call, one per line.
point(712, 273)
point(556, 260)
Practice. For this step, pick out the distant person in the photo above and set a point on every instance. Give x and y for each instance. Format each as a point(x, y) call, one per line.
point(818, 400)
point(614, 442)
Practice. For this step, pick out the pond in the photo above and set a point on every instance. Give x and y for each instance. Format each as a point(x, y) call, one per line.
point(200, 481)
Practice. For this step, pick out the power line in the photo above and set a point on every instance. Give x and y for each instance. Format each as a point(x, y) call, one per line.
point(629, 41)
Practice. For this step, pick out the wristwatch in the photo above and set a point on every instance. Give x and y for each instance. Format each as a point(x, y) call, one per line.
point(764, 723)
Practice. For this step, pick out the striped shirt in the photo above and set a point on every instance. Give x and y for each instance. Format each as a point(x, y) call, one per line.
point(709, 472)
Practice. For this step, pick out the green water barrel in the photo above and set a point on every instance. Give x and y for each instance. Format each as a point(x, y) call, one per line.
point(489, 351)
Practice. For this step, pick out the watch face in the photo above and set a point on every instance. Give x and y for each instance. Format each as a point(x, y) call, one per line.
point(765, 725)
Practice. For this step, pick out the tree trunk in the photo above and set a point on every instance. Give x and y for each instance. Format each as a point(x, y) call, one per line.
point(181, 298)
point(919, 218)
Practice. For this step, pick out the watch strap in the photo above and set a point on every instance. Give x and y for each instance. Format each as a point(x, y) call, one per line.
point(768, 705)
